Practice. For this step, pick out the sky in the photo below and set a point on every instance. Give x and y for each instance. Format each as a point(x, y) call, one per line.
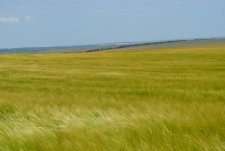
point(27, 23)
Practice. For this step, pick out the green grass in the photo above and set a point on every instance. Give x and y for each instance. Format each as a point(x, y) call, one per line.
point(160, 100)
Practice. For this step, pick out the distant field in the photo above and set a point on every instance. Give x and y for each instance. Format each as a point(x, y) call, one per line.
point(117, 46)
point(179, 44)
point(138, 100)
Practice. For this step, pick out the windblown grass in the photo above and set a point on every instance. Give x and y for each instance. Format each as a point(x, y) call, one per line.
point(161, 100)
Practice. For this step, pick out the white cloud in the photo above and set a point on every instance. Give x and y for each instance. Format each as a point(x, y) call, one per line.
point(28, 18)
point(9, 20)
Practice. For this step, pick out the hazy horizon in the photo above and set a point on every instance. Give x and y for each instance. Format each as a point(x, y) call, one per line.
point(42, 23)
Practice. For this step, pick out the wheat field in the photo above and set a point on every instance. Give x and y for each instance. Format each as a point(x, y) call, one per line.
point(131, 100)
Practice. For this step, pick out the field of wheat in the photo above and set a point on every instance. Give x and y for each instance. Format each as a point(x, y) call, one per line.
point(137, 100)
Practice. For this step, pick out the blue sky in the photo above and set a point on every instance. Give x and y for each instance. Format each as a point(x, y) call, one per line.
point(26, 23)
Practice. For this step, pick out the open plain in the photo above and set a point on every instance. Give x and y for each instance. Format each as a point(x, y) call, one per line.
point(172, 99)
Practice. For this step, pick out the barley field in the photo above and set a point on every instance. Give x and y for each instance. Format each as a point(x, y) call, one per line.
point(127, 100)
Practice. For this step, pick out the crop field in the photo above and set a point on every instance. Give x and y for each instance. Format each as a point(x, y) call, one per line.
point(129, 100)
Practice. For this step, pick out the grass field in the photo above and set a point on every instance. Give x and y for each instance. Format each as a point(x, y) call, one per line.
point(158, 100)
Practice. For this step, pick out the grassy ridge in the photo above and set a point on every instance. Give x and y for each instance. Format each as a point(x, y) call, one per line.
point(169, 99)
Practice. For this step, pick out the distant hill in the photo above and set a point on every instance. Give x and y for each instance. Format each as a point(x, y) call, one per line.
point(178, 44)
point(119, 45)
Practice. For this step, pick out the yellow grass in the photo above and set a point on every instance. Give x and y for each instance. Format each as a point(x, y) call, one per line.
point(140, 100)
